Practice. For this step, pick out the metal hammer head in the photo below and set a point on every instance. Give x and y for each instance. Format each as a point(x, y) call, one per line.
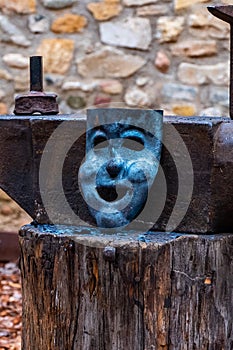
point(36, 101)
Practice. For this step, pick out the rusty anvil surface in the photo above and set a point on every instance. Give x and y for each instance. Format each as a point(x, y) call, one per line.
point(209, 142)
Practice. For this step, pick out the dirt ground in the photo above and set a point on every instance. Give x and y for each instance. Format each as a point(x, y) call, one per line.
point(10, 307)
point(12, 217)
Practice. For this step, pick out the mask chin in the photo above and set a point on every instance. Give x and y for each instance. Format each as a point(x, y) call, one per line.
point(111, 220)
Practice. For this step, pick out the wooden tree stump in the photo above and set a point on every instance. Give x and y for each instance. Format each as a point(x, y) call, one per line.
point(154, 292)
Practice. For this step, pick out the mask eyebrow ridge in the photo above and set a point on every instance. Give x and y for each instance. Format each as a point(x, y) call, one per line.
point(136, 135)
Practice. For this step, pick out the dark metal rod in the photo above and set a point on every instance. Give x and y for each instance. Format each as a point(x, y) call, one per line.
point(36, 73)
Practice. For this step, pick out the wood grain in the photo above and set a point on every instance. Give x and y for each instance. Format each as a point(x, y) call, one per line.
point(159, 291)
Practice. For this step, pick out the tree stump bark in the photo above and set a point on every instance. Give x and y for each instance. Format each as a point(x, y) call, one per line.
point(83, 291)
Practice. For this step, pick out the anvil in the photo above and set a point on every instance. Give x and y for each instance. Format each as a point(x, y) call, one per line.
point(208, 178)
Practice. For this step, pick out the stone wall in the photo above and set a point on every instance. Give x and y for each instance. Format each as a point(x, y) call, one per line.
point(12, 217)
point(169, 54)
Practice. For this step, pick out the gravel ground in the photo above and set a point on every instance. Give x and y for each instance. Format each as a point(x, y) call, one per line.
point(10, 307)
point(12, 217)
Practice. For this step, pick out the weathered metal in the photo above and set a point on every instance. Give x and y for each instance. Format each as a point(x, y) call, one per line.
point(36, 101)
point(23, 140)
point(36, 74)
point(225, 13)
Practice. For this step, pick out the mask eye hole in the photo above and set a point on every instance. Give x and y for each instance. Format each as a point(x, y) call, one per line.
point(134, 143)
point(100, 142)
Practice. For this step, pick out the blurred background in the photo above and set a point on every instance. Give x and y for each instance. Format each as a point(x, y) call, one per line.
point(165, 54)
point(161, 54)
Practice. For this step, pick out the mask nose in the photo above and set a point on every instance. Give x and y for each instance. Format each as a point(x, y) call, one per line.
point(114, 167)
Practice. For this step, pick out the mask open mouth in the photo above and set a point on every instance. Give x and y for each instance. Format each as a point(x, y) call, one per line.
point(113, 192)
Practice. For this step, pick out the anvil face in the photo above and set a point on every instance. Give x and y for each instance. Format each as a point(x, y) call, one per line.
point(192, 192)
point(123, 150)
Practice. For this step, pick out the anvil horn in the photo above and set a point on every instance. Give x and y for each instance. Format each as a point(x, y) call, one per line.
point(225, 13)
point(22, 142)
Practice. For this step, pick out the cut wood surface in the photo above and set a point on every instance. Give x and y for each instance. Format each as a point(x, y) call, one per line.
point(86, 291)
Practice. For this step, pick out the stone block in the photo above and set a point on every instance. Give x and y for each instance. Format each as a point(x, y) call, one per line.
point(10, 33)
point(171, 91)
point(182, 4)
point(57, 53)
point(109, 63)
point(138, 2)
point(136, 97)
point(69, 23)
point(169, 28)
point(195, 48)
point(162, 62)
point(58, 4)
point(3, 108)
point(132, 32)
point(21, 7)
point(112, 87)
point(184, 110)
point(152, 10)
point(5, 75)
point(105, 10)
point(194, 74)
point(38, 23)
point(16, 60)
